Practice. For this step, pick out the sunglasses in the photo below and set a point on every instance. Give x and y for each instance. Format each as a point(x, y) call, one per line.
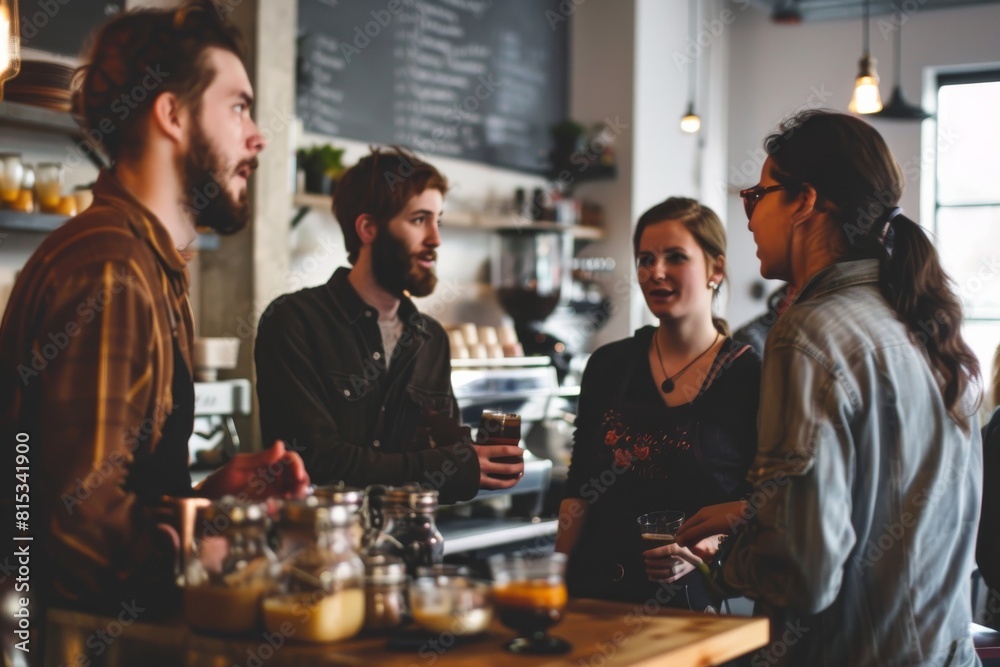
point(753, 195)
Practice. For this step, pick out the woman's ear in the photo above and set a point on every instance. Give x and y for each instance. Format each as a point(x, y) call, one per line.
point(717, 270)
point(366, 229)
point(807, 204)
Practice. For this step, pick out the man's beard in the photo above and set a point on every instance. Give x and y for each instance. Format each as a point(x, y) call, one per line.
point(205, 181)
point(396, 269)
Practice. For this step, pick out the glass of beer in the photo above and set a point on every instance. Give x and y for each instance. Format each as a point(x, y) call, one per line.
point(658, 528)
point(500, 428)
point(529, 596)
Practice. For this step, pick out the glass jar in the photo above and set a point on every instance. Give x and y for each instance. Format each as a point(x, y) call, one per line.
point(11, 176)
point(48, 185)
point(25, 199)
point(320, 596)
point(232, 569)
point(352, 499)
point(409, 530)
point(385, 593)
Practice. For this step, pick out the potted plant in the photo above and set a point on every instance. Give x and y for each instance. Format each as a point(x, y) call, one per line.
point(322, 165)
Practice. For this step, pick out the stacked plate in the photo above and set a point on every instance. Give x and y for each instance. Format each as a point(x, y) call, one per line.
point(42, 84)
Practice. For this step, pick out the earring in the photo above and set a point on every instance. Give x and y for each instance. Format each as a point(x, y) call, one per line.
point(712, 285)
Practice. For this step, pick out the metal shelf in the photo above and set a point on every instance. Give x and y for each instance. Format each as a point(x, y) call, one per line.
point(474, 534)
point(14, 114)
point(501, 362)
point(42, 223)
point(39, 118)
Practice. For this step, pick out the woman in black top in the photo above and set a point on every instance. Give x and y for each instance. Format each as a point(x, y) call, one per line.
point(666, 419)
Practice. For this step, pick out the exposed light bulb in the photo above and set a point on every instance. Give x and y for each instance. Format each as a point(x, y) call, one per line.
point(4, 39)
point(866, 98)
point(690, 123)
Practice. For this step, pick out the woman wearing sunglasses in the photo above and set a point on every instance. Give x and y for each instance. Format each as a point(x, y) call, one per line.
point(666, 419)
point(861, 531)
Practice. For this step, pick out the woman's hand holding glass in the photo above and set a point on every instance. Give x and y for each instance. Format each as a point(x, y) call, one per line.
point(671, 562)
point(709, 523)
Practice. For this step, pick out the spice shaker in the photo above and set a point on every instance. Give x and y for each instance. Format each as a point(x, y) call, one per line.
point(385, 593)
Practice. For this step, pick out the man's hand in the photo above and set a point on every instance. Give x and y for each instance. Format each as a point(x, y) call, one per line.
point(488, 468)
point(272, 472)
point(719, 519)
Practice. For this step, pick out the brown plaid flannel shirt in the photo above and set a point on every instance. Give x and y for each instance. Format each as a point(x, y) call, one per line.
point(86, 363)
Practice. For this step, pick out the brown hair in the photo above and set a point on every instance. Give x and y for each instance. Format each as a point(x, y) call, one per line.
point(136, 57)
point(701, 221)
point(858, 181)
point(380, 185)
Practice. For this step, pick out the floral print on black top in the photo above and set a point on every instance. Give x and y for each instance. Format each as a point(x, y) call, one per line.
point(642, 452)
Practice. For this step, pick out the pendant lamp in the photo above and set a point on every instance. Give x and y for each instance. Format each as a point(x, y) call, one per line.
point(898, 108)
point(10, 42)
point(690, 122)
point(866, 98)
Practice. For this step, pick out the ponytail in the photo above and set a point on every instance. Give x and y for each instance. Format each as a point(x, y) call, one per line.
point(915, 284)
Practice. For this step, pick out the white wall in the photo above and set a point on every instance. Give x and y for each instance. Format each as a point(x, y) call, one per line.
point(775, 70)
point(667, 161)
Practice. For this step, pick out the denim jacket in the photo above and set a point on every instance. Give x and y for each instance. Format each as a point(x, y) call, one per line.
point(863, 522)
point(324, 389)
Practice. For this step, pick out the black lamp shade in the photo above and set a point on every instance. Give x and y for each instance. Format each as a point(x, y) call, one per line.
point(899, 109)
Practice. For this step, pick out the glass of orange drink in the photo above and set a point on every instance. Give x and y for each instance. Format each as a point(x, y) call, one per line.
point(529, 597)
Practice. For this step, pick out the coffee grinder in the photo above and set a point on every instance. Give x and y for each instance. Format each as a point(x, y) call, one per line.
point(529, 269)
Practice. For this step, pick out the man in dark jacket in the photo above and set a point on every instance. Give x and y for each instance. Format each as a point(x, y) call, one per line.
point(350, 373)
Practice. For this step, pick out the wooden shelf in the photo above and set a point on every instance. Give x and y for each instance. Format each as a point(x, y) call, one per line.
point(469, 219)
point(42, 223)
point(312, 200)
point(517, 224)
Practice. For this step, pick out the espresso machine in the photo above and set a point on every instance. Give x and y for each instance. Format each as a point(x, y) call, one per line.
point(215, 440)
point(508, 519)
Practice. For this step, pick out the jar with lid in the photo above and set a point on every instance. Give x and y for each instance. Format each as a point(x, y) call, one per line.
point(320, 592)
point(232, 568)
point(409, 529)
point(352, 499)
point(385, 593)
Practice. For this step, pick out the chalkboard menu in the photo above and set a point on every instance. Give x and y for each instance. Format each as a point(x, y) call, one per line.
point(481, 80)
point(63, 27)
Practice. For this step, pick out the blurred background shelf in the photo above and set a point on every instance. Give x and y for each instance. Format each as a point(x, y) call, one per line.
point(38, 118)
point(304, 201)
point(42, 223)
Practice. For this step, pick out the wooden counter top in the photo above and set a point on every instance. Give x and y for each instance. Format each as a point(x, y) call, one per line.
point(602, 633)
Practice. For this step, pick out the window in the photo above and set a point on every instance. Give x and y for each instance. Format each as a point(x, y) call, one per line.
point(967, 202)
